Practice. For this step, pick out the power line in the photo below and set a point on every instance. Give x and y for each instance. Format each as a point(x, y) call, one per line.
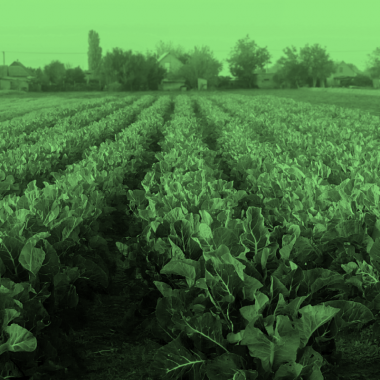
point(18, 52)
point(332, 51)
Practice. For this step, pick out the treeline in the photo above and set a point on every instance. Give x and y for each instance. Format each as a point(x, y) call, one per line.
point(127, 71)
point(121, 71)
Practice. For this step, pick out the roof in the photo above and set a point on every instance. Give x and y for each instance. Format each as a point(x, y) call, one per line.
point(163, 56)
point(17, 63)
point(20, 67)
point(15, 69)
point(349, 65)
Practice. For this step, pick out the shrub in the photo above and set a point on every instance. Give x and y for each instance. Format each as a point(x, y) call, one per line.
point(34, 87)
point(52, 87)
point(80, 87)
point(346, 82)
point(115, 87)
point(93, 87)
point(224, 82)
point(362, 81)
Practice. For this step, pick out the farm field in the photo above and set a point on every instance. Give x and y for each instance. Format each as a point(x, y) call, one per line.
point(118, 202)
point(361, 100)
point(354, 99)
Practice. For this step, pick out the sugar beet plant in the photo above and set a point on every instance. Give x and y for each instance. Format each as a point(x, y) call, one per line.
point(238, 300)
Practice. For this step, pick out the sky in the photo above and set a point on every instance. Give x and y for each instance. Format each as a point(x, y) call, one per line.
point(39, 32)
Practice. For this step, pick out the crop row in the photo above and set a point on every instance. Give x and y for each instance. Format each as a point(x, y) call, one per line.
point(38, 228)
point(47, 131)
point(228, 280)
point(67, 142)
point(12, 128)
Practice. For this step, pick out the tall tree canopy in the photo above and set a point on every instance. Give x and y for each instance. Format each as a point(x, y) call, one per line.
point(293, 71)
point(133, 71)
point(94, 53)
point(154, 74)
point(318, 62)
point(111, 67)
point(312, 62)
point(74, 76)
point(56, 72)
point(168, 47)
point(200, 64)
point(245, 58)
point(39, 75)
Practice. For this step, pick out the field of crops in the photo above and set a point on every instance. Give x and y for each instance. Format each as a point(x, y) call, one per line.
point(199, 235)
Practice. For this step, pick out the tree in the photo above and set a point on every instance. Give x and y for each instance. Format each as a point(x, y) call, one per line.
point(297, 70)
point(39, 79)
point(55, 72)
point(133, 71)
point(317, 61)
point(373, 66)
point(110, 68)
point(245, 58)
point(75, 76)
point(155, 73)
point(162, 48)
point(200, 64)
point(140, 72)
point(94, 53)
point(293, 72)
point(187, 58)
point(39, 75)
point(184, 58)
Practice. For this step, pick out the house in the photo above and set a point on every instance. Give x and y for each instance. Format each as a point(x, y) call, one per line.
point(89, 75)
point(14, 77)
point(265, 76)
point(343, 71)
point(169, 62)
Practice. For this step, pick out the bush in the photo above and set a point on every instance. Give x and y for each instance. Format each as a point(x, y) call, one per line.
point(52, 87)
point(94, 87)
point(362, 81)
point(345, 82)
point(239, 84)
point(113, 87)
point(224, 82)
point(34, 87)
point(80, 87)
